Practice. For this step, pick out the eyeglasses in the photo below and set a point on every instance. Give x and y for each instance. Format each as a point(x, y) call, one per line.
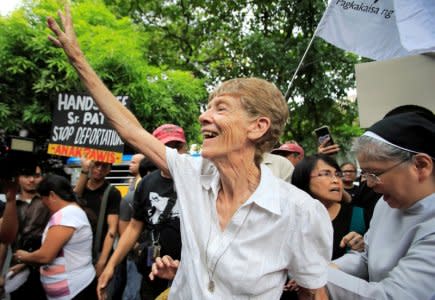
point(327, 173)
point(374, 178)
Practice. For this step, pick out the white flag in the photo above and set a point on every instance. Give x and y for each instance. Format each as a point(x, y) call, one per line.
point(416, 23)
point(369, 28)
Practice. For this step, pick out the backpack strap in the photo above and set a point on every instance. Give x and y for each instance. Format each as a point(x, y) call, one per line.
point(100, 222)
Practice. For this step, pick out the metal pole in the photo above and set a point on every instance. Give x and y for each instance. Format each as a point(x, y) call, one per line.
point(287, 94)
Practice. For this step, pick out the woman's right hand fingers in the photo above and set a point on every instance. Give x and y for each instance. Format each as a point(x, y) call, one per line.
point(353, 240)
point(164, 267)
point(64, 37)
point(54, 27)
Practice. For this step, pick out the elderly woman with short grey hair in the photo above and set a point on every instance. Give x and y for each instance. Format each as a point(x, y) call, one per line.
point(243, 230)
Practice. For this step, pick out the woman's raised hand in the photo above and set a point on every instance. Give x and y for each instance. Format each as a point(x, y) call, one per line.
point(66, 38)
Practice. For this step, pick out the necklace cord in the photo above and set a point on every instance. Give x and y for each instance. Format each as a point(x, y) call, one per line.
point(211, 275)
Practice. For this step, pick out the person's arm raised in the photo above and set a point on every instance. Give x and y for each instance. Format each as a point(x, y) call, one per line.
point(124, 122)
point(83, 178)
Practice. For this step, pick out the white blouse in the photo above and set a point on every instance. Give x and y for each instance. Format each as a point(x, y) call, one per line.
point(279, 230)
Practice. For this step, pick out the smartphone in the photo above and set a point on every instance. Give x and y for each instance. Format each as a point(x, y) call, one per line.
point(322, 134)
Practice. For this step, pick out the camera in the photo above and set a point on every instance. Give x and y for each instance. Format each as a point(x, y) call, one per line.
point(16, 156)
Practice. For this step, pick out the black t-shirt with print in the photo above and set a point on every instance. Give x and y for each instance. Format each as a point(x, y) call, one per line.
point(151, 198)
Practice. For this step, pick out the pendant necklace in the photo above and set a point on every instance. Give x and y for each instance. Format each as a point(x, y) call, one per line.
point(211, 284)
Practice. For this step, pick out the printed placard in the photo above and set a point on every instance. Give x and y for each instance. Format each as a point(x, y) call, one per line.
point(80, 130)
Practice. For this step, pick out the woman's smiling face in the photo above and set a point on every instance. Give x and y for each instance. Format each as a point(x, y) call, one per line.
point(225, 127)
point(395, 180)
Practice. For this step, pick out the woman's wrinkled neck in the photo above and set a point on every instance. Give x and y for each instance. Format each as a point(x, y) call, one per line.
point(238, 175)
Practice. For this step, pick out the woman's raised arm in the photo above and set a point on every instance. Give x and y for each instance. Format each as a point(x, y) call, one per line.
point(124, 122)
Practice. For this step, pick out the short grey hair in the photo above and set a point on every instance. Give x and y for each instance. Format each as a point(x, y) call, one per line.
point(376, 150)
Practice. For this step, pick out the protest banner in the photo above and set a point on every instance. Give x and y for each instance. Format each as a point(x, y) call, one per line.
point(80, 130)
point(377, 29)
point(380, 29)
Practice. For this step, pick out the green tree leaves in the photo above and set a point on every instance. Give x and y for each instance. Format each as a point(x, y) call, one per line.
point(163, 54)
point(34, 71)
point(218, 40)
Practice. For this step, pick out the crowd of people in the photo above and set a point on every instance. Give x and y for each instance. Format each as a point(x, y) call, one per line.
point(246, 218)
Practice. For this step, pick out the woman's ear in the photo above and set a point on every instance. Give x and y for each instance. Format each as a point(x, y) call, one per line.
point(424, 166)
point(52, 195)
point(258, 128)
